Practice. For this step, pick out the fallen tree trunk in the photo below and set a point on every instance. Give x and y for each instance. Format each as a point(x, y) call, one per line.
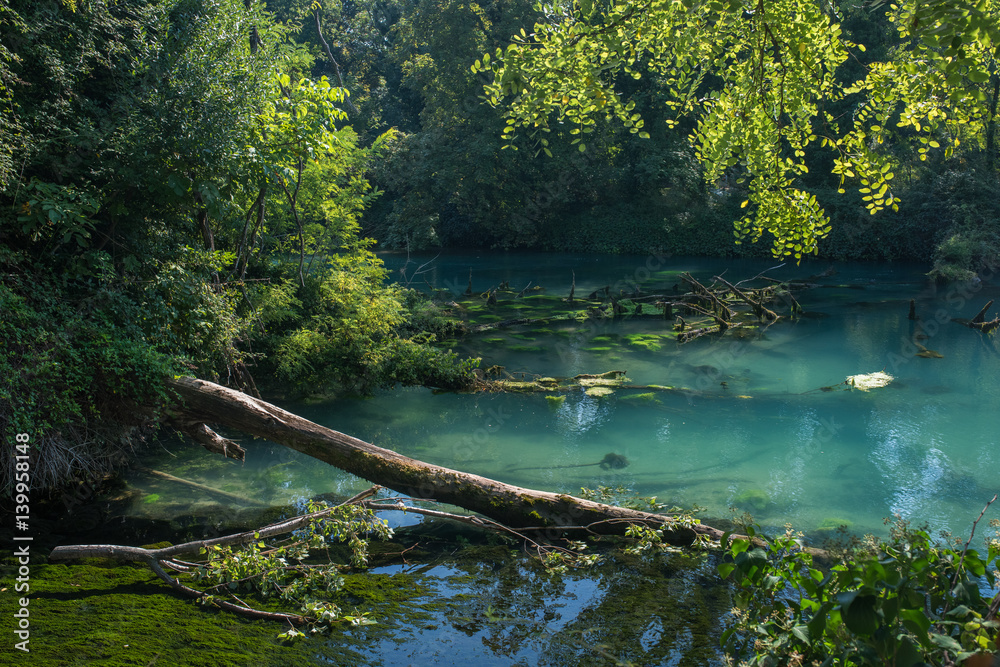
point(507, 504)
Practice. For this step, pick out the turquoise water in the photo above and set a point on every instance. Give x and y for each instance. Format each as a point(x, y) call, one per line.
point(751, 429)
point(767, 441)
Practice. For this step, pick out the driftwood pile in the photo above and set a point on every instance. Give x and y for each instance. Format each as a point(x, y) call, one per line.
point(696, 309)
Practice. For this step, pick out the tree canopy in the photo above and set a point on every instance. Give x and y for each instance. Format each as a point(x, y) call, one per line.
point(766, 82)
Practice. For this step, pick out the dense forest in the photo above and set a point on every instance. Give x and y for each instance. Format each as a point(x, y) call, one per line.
point(199, 187)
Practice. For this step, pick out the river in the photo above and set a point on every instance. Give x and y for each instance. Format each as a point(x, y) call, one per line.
point(762, 424)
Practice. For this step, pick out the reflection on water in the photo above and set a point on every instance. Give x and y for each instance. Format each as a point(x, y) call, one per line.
point(504, 611)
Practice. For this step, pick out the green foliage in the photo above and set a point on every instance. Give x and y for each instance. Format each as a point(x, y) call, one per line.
point(185, 199)
point(79, 373)
point(357, 336)
point(288, 571)
point(905, 601)
point(965, 253)
point(54, 214)
point(762, 81)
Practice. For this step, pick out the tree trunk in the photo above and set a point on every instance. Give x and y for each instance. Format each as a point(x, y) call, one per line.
point(336, 67)
point(991, 124)
point(505, 503)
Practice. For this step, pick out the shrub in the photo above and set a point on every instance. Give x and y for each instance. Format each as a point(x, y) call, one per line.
point(906, 601)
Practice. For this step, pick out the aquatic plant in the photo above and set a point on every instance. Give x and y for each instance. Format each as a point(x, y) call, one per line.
point(754, 499)
point(834, 523)
point(650, 342)
point(648, 397)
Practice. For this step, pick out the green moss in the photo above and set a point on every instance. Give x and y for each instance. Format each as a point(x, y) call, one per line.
point(115, 615)
point(533, 349)
point(384, 595)
point(752, 499)
point(648, 397)
point(597, 349)
point(495, 341)
point(650, 342)
point(151, 498)
point(834, 523)
point(605, 380)
point(157, 545)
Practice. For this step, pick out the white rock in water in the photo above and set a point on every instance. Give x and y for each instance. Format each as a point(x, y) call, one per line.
point(864, 382)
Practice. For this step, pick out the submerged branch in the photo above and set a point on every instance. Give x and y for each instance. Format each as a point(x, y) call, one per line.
point(201, 487)
point(209, 439)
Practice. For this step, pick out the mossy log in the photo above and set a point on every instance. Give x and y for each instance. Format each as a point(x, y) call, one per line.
point(508, 504)
point(986, 327)
point(979, 322)
point(531, 384)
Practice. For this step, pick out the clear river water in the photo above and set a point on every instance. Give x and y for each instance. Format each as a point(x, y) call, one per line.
point(762, 423)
